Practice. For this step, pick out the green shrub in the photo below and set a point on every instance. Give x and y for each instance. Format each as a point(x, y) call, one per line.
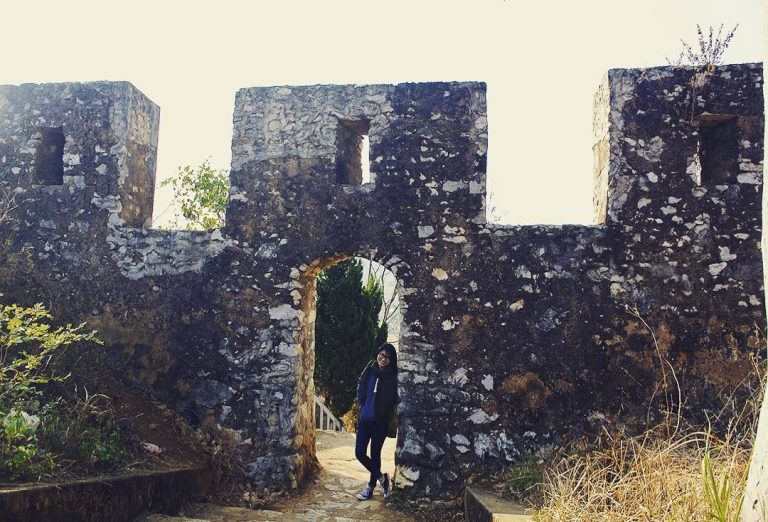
point(34, 427)
point(84, 429)
point(27, 344)
point(19, 449)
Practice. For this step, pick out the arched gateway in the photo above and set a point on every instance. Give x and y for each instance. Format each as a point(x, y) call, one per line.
point(513, 337)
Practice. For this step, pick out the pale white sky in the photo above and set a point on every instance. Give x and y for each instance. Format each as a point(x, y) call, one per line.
point(541, 60)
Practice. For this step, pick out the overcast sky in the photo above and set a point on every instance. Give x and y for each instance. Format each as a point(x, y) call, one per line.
point(541, 60)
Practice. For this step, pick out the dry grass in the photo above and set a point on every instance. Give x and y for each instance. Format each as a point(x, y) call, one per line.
point(350, 418)
point(669, 473)
point(652, 477)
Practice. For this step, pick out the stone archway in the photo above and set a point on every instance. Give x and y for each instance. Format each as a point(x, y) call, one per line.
point(305, 338)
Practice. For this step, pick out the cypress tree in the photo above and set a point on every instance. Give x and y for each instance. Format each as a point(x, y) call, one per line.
point(347, 331)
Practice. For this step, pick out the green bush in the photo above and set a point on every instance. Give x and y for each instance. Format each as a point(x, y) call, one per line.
point(84, 429)
point(28, 342)
point(39, 427)
point(19, 449)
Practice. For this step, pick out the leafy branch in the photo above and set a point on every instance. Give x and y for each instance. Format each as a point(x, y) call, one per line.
point(27, 344)
point(203, 194)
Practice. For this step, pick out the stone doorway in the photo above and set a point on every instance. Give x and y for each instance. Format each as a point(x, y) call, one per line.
point(391, 313)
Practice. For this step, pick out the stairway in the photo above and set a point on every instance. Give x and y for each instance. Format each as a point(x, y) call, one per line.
point(325, 419)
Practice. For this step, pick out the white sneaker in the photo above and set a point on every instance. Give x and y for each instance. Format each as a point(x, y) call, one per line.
point(384, 483)
point(366, 493)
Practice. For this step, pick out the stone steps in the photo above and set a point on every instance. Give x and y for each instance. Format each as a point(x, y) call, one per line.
point(484, 506)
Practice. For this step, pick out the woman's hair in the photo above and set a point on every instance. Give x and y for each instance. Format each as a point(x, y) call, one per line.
point(386, 347)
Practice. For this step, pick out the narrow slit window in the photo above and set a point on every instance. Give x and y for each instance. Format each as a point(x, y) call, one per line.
point(352, 146)
point(49, 158)
point(365, 164)
point(718, 149)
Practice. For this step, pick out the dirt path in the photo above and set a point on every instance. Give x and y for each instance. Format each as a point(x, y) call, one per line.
point(330, 498)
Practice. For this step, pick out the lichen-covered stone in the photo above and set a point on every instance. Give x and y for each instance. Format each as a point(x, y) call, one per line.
point(513, 337)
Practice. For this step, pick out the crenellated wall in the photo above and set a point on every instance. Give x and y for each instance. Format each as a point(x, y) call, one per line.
point(513, 338)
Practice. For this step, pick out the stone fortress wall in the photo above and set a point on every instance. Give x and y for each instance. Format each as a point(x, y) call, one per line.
point(514, 337)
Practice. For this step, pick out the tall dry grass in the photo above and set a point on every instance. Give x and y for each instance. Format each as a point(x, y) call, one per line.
point(653, 477)
point(669, 473)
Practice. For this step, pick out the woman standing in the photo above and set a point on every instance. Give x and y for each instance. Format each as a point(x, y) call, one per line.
point(376, 398)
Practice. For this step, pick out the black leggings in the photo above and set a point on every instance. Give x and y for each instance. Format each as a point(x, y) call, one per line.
point(375, 433)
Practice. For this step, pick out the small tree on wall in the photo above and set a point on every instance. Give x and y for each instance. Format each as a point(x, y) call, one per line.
point(202, 193)
point(347, 330)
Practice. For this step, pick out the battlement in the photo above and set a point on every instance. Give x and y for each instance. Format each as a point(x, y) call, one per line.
point(673, 132)
point(82, 141)
point(685, 130)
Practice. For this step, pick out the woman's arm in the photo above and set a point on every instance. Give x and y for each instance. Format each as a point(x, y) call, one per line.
point(361, 385)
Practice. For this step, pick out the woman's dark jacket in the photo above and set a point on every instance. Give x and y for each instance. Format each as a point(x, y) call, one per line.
point(386, 392)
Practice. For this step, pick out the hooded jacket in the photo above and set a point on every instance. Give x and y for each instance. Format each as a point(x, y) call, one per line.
point(385, 396)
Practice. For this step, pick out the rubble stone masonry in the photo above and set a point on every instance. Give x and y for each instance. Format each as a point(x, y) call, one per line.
point(514, 338)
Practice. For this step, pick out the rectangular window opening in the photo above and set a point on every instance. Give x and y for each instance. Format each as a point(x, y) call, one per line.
point(717, 153)
point(49, 157)
point(352, 152)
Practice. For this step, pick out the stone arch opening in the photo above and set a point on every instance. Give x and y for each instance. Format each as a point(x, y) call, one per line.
point(393, 308)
